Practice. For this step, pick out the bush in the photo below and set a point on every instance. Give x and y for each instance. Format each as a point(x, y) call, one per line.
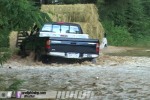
point(89, 1)
point(15, 86)
point(4, 38)
point(17, 15)
point(70, 1)
point(143, 41)
point(117, 35)
point(4, 44)
point(5, 54)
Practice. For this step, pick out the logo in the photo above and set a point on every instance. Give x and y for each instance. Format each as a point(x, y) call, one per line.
point(3, 95)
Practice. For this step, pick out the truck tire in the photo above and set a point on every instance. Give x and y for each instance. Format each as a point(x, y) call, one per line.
point(93, 60)
point(46, 59)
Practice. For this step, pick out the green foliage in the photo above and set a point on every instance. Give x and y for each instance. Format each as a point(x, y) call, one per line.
point(70, 1)
point(135, 18)
point(117, 35)
point(112, 10)
point(15, 86)
point(89, 1)
point(146, 10)
point(5, 54)
point(146, 6)
point(4, 38)
point(134, 15)
point(18, 15)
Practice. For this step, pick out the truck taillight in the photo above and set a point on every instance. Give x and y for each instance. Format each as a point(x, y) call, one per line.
point(48, 42)
point(97, 47)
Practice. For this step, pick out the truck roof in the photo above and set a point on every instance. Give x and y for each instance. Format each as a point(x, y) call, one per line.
point(64, 23)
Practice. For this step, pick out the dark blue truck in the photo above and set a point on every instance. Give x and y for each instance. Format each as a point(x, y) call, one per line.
point(60, 39)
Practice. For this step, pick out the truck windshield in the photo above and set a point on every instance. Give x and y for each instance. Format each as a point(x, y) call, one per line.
point(61, 28)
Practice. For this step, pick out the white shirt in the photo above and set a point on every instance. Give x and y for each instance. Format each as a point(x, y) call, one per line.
point(104, 42)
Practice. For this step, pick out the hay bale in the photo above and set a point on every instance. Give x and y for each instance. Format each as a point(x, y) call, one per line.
point(84, 14)
point(12, 40)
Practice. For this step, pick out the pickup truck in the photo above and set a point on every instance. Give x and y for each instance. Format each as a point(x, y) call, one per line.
point(60, 39)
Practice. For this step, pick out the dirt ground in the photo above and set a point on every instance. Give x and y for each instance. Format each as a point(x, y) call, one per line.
point(112, 77)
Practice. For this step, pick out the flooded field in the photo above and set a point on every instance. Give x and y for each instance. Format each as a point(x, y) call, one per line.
point(119, 77)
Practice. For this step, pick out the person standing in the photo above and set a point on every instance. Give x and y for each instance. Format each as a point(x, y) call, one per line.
point(104, 42)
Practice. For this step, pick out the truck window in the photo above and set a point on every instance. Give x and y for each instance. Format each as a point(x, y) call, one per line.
point(74, 29)
point(47, 28)
point(56, 28)
point(64, 29)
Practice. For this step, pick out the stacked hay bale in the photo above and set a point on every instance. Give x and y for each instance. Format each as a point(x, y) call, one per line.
point(84, 14)
point(12, 40)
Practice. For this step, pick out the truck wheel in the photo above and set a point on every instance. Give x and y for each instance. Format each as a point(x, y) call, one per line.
point(93, 60)
point(46, 59)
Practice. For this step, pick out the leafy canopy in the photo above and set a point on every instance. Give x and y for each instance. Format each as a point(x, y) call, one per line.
point(17, 15)
point(20, 14)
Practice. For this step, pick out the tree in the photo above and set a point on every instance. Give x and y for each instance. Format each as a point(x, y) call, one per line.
point(129, 13)
point(18, 15)
point(135, 18)
point(146, 7)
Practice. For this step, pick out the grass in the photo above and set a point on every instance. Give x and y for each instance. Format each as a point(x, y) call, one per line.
point(5, 54)
point(15, 85)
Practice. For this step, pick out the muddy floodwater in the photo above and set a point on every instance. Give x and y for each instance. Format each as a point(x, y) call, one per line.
point(122, 77)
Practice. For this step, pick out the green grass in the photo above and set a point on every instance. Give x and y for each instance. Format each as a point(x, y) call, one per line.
point(15, 86)
point(5, 54)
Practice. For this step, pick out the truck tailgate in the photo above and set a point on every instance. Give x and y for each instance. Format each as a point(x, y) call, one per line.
point(74, 45)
